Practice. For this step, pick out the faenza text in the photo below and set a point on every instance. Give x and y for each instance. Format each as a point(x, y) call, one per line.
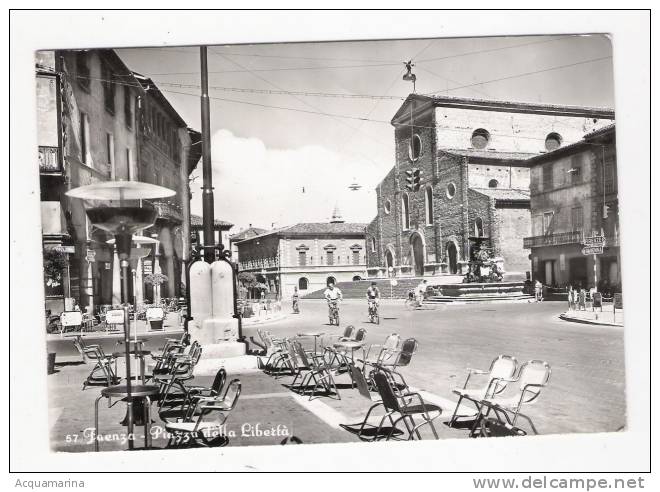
point(246, 430)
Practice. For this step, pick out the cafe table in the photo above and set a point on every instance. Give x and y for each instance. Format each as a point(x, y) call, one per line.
point(138, 392)
point(315, 334)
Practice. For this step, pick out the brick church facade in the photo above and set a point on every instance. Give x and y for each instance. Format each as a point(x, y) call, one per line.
point(474, 181)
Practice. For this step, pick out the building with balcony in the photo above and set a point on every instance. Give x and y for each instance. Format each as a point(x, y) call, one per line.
point(305, 255)
point(472, 158)
point(573, 196)
point(91, 127)
point(240, 236)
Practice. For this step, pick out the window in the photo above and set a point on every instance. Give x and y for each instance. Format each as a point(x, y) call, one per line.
point(451, 190)
point(129, 164)
point(610, 178)
point(82, 70)
point(373, 244)
point(330, 258)
point(553, 141)
point(302, 283)
point(108, 88)
point(388, 207)
point(356, 256)
point(429, 205)
point(84, 139)
point(493, 183)
point(547, 222)
point(110, 152)
point(415, 147)
point(128, 108)
point(405, 212)
point(576, 174)
point(576, 218)
point(302, 258)
point(480, 138)
point(478, 227)
point(547, 177)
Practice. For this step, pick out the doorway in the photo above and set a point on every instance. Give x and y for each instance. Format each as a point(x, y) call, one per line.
point(577, 273)
point(389, 260)
point(452, 257)
point(417, 254)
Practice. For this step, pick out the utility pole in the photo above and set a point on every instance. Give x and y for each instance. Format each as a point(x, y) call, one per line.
point(207, 169)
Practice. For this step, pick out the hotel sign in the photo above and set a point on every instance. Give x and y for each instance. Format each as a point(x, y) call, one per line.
point(593, 245)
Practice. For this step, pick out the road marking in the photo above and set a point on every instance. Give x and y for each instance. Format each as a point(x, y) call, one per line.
point(265, 395)
point(326, 413)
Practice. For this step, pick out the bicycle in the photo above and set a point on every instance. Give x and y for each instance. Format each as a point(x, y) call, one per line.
point(333, 313)
point(373, 312)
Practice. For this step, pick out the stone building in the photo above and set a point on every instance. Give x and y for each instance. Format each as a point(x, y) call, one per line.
point(573, 196)
point(234, 239)
point(92, 127)
point(220, 227)
point(305, 255)
point(471, 157)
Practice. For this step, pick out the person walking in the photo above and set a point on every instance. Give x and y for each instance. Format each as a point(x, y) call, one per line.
point(538, 291)
point(295, 298)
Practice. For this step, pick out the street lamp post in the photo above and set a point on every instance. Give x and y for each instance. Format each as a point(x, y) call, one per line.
point(117, 207)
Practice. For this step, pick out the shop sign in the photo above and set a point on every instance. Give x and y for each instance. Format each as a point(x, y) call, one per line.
point(595, 240)
point(592, 250)
point(618, 301)
point(114, 317)
point(91, 255)
point(147, 267)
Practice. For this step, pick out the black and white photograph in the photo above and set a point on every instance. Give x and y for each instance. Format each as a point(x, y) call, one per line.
point(336, 241)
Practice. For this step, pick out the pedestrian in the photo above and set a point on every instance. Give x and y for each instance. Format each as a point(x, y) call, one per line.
point(571, 297)
point(294, 299)
point(420, 290)
point(538, 291)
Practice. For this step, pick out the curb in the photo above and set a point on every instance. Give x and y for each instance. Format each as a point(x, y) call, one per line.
point(588, 321)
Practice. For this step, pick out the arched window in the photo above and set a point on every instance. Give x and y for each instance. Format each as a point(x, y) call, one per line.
point(478, 227)
point(493, 183)
point(415, 147)
point(302, 283)
point(429, 205)
point(553, 141)
point(405, 212)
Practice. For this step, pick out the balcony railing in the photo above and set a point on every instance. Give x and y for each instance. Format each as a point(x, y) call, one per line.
point(262, 263)
point(49, 160)
point(553, 239)
point(168, 209)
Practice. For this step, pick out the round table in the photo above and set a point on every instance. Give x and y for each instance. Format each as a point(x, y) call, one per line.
point(347, 345)
point(141, 354)
point(141, 391)
point(315, 334)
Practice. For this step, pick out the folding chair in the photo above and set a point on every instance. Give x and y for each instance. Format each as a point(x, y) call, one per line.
point(532, 377)
point(317, 372)
point(364, 428)
point(377, 353)
point(199, 430)
point(501, 368)
point(103, 363)
point(404, 407)
point(194, 393)
point(182, 370)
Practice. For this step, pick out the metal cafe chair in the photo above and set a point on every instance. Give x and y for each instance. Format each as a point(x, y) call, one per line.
point(501, 369)
point(182, 370)
point(377, 353)
point(102, 362)
point(398, 358)
point(201, 430)
point(318, 372)
point(364, 430)
point(194, 393)
point(407, 406)
point(533, 376)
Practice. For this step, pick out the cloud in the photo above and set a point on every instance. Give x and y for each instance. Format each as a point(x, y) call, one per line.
point(257, 185)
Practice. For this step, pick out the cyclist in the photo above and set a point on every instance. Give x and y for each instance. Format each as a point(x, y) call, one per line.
point(373, 297)
point(333, 296)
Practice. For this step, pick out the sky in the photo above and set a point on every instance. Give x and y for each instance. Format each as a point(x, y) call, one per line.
point(293, 125)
